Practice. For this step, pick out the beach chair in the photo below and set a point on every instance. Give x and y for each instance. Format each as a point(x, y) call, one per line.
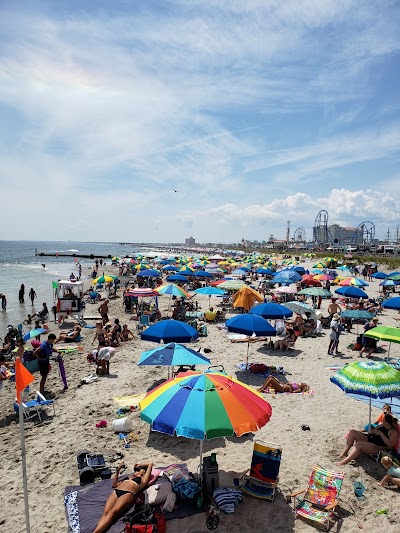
point(264, 471)
point(293, 343)
point(144, 322)
point(30, 409)
point(320, 498)
point(41, 400)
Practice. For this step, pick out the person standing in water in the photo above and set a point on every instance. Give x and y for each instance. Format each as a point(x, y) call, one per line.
point(3, 302)
point(21, 294)
point(32, 295)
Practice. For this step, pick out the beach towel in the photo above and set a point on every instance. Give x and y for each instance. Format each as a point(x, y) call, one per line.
point(129, 401)
point(84, 506)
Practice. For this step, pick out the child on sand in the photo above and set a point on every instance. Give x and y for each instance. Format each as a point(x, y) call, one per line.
point(393, 472)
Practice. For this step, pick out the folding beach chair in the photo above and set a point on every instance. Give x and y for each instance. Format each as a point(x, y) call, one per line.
point(320, 497)
point(264, 471)
point(41, 400)
point(30, 409)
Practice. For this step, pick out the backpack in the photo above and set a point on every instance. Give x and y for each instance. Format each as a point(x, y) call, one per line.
point(145, 519)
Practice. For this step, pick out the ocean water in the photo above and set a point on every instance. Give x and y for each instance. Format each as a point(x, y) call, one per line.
point(18, 264)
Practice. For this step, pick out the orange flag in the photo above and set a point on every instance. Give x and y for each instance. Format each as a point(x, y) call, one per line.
point(22, 378)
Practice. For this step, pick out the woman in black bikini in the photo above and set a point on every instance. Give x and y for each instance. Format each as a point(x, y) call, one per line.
point(122, 497)
point(384, 436)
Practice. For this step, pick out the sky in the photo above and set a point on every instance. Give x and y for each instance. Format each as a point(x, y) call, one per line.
point(153, 121)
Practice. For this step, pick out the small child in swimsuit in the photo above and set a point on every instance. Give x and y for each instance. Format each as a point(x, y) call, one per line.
point(393, 472)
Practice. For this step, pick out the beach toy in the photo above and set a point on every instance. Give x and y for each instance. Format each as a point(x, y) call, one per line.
point(122, 436)
point(359, 490)
point(101, 424)
point(381, 511)
point(122, 425)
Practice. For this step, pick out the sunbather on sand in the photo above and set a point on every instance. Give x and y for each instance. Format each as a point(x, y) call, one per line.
point(70, 336)
point(122, 497)
point(273, 383)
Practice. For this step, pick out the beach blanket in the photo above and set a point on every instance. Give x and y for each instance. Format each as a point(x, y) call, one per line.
point(129, 401)
point(84, 507)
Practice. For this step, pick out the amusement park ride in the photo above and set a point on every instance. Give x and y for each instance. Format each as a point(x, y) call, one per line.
point(363, 235)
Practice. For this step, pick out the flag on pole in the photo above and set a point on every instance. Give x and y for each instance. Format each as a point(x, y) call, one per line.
point(22, 378)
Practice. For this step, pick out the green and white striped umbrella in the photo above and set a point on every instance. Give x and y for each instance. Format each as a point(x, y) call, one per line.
point(375, 379)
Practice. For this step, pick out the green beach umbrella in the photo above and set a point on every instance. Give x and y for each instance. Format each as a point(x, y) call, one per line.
point(374, 379)
point(384, 333)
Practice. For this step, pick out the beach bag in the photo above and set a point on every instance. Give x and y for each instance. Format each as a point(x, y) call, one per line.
point(257, 368)
point(145, 519)
point(187, 490)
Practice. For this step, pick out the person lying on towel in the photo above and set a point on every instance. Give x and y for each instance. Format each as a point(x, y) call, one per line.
point(122, 497)
point(273, 383)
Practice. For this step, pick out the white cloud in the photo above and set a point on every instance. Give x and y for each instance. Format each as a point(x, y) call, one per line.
point(228, 103)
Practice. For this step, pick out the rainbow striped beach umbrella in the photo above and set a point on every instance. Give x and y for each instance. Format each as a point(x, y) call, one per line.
point(204, 405)
point(374, 379)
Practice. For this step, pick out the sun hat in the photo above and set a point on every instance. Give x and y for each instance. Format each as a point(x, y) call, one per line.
point(335, 316)
point(375, 319)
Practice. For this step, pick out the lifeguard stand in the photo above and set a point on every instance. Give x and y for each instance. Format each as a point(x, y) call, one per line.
point(68, 295)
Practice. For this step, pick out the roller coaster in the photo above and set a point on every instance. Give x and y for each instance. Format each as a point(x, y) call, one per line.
point(364, 234)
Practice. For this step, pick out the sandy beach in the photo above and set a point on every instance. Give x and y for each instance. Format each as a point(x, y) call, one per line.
point(52, 445)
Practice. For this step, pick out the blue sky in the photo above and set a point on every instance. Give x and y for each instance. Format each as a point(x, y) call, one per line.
point(255, 111)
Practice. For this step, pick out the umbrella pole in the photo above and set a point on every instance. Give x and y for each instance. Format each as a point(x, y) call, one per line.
point(388, 354)
point(247, 355)
point(370, 407)
point(201, 460)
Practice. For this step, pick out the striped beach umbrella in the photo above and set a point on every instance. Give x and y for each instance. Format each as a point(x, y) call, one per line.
point(204, 405)
point(173, 290)
point(374, 379)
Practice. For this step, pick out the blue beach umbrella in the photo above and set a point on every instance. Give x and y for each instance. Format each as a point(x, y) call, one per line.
point(170, 268)
point(271, 310)
point(149, 273)
point(172, 354)
point(170, 331)
point(287, 276)
point(392, 303)
point(265, 271)
point(176, 277)
point(357, 314)
point(388, 283)
point(351, 292)
point(33, 333)
point(187, 272)
point(379, 275)
point(203, 274)
point(210, 291)
point(252, 326)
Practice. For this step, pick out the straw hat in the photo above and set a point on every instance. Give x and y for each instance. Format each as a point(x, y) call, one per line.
point(375, 319)
point(336, 316)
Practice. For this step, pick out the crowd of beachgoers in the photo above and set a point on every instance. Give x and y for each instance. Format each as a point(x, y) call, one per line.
point(321, 331)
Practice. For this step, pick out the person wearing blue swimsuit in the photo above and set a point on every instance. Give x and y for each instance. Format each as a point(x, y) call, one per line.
point(122, 497)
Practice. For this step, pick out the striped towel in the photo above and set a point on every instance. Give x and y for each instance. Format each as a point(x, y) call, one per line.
point(227, 499)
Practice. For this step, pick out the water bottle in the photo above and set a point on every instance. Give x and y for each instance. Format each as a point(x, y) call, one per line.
point(25, 394)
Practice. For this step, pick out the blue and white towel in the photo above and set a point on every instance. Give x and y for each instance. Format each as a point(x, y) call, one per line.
point(227, 499)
